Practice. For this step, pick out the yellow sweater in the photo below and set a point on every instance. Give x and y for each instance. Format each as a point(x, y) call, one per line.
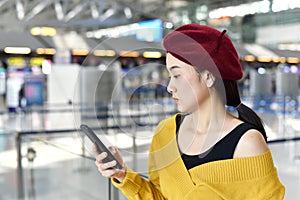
point(250, 178)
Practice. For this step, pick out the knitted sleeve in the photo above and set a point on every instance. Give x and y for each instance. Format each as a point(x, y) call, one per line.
point(135, 187)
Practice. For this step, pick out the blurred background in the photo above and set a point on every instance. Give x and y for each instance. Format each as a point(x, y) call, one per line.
point(101, 62)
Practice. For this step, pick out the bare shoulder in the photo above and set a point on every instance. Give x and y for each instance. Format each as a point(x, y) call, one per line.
point(252, 143)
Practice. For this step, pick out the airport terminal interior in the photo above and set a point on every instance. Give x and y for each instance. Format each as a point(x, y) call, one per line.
point(64, 63)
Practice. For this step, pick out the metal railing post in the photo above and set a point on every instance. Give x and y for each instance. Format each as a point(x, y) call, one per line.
point(109, 189)
point(20, 167)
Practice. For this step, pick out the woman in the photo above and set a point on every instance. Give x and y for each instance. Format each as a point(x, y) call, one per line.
point(206, 153)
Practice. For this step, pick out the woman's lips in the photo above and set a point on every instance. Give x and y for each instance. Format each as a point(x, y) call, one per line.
point(176, 100)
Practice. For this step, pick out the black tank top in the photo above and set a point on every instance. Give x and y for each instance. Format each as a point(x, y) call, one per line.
point(223, 149)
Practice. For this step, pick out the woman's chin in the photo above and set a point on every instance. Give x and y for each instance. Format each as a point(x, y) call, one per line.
point(181, 110)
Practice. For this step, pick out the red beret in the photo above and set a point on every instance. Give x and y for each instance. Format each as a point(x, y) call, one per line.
point(205, 48)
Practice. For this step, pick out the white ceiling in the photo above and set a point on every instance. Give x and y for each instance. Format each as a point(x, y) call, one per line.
point(17, 15)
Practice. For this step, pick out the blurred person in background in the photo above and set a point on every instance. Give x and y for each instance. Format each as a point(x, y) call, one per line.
point(203, 152)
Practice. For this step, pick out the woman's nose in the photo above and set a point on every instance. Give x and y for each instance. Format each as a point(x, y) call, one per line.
point(170, 88)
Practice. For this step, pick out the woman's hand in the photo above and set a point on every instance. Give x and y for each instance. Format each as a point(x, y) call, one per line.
point(107, 169)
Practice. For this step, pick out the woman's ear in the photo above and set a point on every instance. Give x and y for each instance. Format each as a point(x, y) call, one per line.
point(209, 79)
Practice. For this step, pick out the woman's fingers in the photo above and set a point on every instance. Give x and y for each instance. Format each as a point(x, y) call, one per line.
point(109, 173)
point(100, 157)
point(107, 168)
point(108, 165)
point(95, 149)
point(115, 151)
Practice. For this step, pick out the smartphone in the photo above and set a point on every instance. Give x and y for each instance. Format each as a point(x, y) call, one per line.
point(101, 147)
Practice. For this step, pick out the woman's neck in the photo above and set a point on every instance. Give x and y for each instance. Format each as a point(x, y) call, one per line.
point(210, 117)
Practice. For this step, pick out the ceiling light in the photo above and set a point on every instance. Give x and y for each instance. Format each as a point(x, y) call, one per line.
point(128, 13)
point(17, 50)
point(152, 54)
point(133, 54)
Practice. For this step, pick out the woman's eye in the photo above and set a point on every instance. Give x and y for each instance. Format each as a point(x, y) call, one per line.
point(174, 76)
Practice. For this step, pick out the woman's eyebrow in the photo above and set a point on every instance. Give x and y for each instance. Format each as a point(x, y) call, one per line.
point(174, 67)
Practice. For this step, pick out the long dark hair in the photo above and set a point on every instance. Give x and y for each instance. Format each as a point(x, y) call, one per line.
point(229, 90)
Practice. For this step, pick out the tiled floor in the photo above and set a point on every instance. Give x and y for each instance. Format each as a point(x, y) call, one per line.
point(59, 172)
